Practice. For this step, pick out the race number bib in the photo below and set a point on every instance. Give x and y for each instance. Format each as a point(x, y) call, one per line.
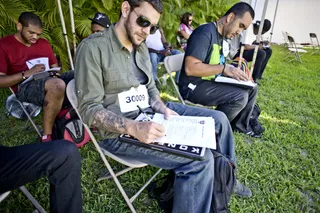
point(128, 100)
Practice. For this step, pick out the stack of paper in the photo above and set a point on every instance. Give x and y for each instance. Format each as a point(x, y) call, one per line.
point(227, 80)
point(187, 130)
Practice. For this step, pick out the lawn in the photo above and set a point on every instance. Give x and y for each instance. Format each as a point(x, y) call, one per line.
point(281, 168)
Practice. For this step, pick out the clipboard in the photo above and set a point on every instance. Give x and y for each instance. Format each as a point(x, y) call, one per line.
point(193, 152)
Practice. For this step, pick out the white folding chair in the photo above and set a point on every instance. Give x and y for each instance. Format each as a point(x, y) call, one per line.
point(315, 43)
point(35, 112)
point(296, 52)
point(35, 203)
point(172, 64)
point(129, 162)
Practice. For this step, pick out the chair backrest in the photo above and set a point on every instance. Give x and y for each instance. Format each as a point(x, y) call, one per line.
point(71, 93)
point(173, 63)
point(291, 41)
point(314, 40)
point(313, 35)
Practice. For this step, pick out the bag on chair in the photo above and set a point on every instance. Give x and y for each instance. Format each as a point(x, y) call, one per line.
point(69, 127)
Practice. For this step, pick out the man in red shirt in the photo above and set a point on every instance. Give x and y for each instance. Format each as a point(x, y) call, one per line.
point(24, 54)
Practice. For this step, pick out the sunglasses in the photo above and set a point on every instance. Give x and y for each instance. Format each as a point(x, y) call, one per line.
point(144, 22)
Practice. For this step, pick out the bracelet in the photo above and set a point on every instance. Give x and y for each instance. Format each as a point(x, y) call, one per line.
point(224, 66)
point(23, 77)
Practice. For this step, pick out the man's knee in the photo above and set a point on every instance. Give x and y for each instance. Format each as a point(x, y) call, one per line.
point(261, 55)
point(55, 85)
point(66, 152)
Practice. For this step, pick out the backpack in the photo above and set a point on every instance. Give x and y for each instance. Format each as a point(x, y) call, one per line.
point(69, 127)
point(224, 183)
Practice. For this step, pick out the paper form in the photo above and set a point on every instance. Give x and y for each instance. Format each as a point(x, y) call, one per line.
point(187, 130)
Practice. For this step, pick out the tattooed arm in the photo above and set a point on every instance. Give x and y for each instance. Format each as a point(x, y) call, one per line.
point(145, 132)
point(158, 106)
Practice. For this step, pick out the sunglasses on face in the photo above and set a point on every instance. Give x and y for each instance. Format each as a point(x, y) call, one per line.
point(144, 22)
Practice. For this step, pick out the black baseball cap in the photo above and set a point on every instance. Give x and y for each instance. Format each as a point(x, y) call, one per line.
point(101, 19)
point(266, 25)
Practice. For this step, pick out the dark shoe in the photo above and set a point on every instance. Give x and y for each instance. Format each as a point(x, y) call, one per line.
point(256, 126)
point(250, 133)
point(241, 190)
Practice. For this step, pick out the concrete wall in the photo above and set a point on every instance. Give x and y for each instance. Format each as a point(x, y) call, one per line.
point(297, 17)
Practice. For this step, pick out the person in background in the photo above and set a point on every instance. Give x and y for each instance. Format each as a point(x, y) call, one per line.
point(204, 59)
point(185, 29)
point(264, 52)
point(59, 160)
point(158, 49)
point(24, 54)
point(99, 22)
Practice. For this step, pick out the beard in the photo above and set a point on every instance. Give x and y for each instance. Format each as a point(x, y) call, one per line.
point(130, 33)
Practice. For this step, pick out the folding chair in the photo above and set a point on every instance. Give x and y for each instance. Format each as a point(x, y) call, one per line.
point(35, 203)
point(295, 50)
point(129, 162)
point(315, 43)
point(34, 112)
point(172, 64)
point(285, 39)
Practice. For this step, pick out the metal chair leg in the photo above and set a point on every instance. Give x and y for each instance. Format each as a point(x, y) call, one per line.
point(32, 199)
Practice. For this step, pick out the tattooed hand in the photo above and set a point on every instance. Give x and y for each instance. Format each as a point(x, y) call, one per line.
point(147, 131)
point(235, 72)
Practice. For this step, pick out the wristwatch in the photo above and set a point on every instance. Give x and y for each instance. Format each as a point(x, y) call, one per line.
point(23, 77)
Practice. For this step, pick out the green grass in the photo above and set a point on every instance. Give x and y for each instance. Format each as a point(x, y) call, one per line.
point(282, 168)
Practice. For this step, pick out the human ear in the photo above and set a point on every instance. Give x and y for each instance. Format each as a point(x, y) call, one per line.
point(125, 9)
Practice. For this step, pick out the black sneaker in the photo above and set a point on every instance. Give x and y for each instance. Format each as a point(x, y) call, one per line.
point(241, 190)
point(250, 133)
point(256, 126)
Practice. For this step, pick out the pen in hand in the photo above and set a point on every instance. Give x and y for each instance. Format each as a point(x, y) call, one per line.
point(145, 114)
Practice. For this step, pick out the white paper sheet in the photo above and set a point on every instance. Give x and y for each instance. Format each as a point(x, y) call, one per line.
point(187, 130)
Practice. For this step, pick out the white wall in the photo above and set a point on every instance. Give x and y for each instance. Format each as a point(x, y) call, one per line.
point(297, 17)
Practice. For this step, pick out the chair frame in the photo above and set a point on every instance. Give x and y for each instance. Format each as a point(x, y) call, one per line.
point(26, 112)
point(131, 163)
point(35, 203)
point(294, 50)
point(315, 43)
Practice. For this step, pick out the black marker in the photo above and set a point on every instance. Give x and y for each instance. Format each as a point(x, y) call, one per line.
point(145, 114)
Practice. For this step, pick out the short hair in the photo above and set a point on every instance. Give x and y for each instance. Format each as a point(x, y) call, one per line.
point(240, 8)
point(156, 4)
point(27, 18)
point(185, 18)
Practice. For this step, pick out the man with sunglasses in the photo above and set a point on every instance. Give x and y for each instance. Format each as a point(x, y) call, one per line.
point(113, 67)
point(205, 58)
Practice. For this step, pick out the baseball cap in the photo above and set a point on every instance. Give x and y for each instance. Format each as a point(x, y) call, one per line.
point(266, 24)
point(101, 19)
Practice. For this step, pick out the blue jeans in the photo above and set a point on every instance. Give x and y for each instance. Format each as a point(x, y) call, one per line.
point(193, 185)
point(59, 160)
point(236, 102)
point(156, 58)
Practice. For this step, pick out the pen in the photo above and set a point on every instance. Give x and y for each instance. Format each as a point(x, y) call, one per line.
point(30, 63)
point(145, 115)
